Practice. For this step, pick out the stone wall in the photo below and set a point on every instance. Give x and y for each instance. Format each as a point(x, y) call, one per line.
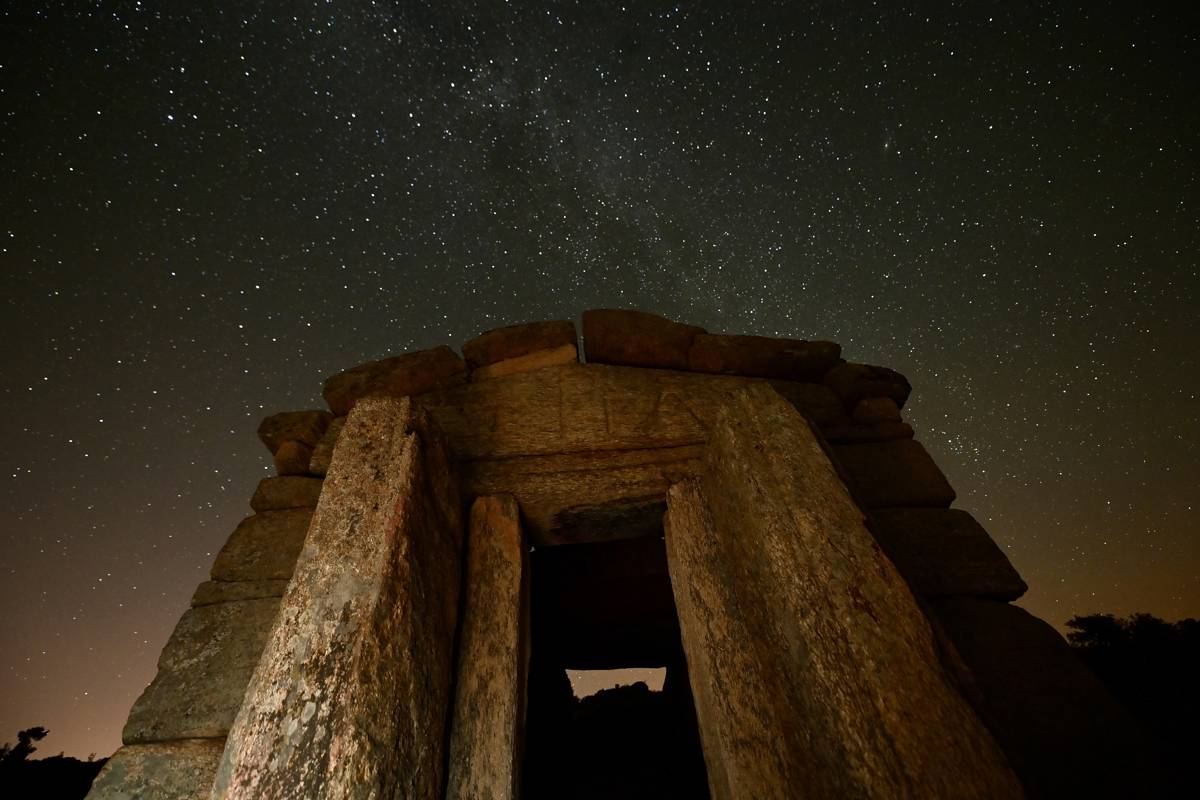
point(589, 451)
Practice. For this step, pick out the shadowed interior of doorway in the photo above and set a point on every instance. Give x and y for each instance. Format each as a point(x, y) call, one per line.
point(608, 606)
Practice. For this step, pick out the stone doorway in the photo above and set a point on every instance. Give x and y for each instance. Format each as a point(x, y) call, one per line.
point(608, 606)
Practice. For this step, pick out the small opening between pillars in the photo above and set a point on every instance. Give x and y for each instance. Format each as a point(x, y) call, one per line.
point(610, 711)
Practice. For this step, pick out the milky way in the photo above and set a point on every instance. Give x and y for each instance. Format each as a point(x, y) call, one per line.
point(208, 207)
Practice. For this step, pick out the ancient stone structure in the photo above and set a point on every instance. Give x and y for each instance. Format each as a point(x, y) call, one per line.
point(753, 514)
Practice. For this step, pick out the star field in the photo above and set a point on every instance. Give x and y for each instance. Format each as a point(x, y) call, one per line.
point(207, 208)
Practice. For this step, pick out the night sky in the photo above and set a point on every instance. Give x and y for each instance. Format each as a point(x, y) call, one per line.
point(209, 207)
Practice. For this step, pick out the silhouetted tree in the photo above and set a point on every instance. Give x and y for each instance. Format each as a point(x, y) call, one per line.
point(58, 777)
point(24, 748)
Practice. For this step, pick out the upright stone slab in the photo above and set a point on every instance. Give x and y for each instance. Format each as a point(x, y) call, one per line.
point(351, 696)
point(813, 669)
point(489, 707)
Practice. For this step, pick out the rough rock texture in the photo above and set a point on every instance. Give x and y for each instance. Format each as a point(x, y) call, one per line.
point(587, 497)
point(853, 382)
point(367, 624)
point(876, 409)
point(263, 547)
point(945, 551)
point(291, 491)
point(398, 376)
point(1063, 732)
point(301, 426)
point(292, 458)
point(539, 359)
point(323, 452)
point(211, 592)
point(489, 705)
point(834, 683)
point(181, 770)
point(893, 473)
point(587, 407)
point(202, 672)
point(514, 341)
point(636, 339)
point(761, 357)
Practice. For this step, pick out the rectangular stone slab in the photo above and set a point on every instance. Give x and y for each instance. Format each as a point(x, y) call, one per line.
point(584, 497)
point(263, 547)
point(352, 694)
point(179, 770)
point(588, 407)
point(943, 551)
point(202, 672)
point(815, 673)
point(893, 473)
point(488, 721)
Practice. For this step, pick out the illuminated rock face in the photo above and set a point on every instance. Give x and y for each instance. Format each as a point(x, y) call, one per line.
point(367, 632)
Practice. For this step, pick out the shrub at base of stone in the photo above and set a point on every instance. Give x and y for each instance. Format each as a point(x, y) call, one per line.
point(181, 770)
point(292, 458)
point(896, 473)
point(636, 339)
point(514, 341)
point(263, 547)
point(290, 491)
point(202, 672)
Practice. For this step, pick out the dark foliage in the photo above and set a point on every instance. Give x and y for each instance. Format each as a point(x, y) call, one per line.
point(56, 778)
point(1151, 666)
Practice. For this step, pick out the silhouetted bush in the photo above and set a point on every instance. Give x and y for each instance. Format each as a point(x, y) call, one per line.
point(56, 778)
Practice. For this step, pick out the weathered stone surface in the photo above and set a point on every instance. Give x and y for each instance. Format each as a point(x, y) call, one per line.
point(945, 551)
point(636, 339)
point(202, 672)
point(515, 341)
point(1063, 733)
point(263, 547)
point(211, 592)
point(301, 426)
point(367, 625)
point(489, 706)
point(587, 497)
point(398, 376)
point(894, 473)
point(857, 432)
point(763, 357)
point(291, 491)
point(853, 382)
point(585, 407)
point(811, 664)
point(292, 458)
point(876, 409)
point(180, 770)
point(539, 359)
point(323, 452)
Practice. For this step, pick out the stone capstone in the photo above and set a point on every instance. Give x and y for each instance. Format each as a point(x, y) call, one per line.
point(292, 458)
point(854, 382)
point(179, 770)
point(399, 376)
point(290, 491)
point(489, 706)
point(514, 341)
point(945, 551)
point(202, 672)
point(893, 473)
point(763, 357)
point(636, 339)
point(323, 452)
point(300, 426)
point(263, 546)
point(836, 684)
point(367, 624)
point(540, 359)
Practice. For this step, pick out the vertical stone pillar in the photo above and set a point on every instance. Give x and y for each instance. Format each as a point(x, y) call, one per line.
point(489, 709)
point(814, 672)
point(351, 695)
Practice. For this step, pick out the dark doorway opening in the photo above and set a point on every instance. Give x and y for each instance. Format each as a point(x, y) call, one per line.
point(600, 607)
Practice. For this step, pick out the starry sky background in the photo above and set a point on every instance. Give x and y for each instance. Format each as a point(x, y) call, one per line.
point(209, 207)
